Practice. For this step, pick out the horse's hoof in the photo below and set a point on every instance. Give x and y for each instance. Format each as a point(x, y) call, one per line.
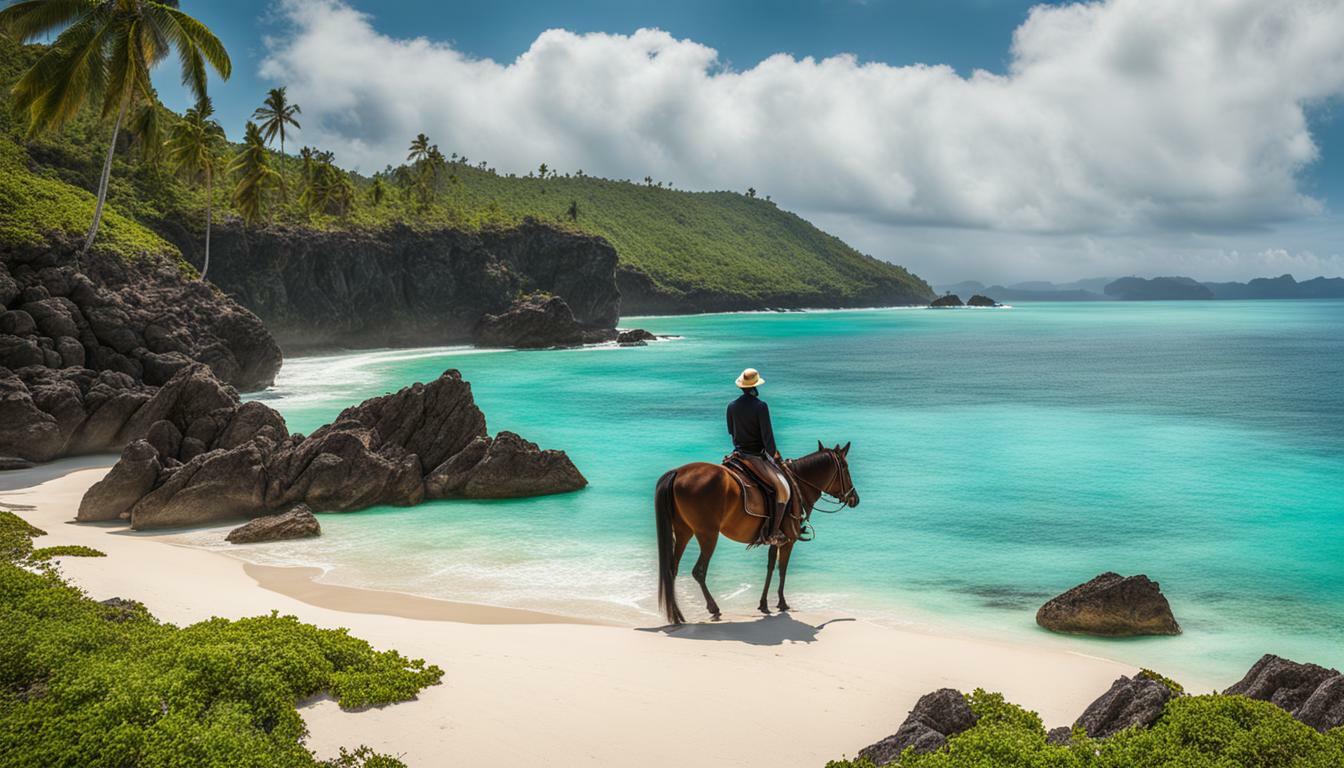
point(764, 609)
point(714, 617)
point(783, 607)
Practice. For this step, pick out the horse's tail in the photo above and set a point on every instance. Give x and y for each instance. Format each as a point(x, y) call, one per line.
point(664, 507)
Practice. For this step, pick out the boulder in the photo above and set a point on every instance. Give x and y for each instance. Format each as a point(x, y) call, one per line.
point(1324, 709)
point(936, 717)
point(531, 322)
point(1110, 605)
point(133, 476)
point(979, 300)
point(449, 479)
point(1059, 737)
point(217, 485)
point(635, 337)
point(1131, 702)
point(946, 302)
point(297, 523)
point(1282, 681)
point(12, 462)
point(513, 467)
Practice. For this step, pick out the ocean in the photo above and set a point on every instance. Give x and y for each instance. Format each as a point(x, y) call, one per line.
point(1002, 456)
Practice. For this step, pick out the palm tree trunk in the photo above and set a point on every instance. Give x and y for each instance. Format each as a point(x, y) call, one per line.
point(209, 209)
point(107, 173)
point(284, 189)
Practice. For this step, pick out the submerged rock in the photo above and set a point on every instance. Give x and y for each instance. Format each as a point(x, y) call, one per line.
point(1131, 702)
point(935, 718)
point(1111, 605)
point(298, 523)
point(946, 302)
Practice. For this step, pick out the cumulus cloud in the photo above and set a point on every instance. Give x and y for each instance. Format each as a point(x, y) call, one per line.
point(1113, 118)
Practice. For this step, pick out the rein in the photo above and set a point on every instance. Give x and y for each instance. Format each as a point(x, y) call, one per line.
point(836, 472)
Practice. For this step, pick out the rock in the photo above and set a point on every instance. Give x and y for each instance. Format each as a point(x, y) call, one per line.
point(1282, 681)
point(16, 322)
point(531, 322)
point(17, 352)
point(635, 337)
point(297, 523)
point(401, 286)
point(1059, 737)
point(945, 302)
point(1131, 702)
point(71, 352)
point(936, 717)
point(513, 467)
point(129, 479)
point(166, 439)
point(1324, 709)
point(449, 479)
point(13, 462)
point(121, 610)
point(979, 300)
point(217, 485)
point(1110, 605)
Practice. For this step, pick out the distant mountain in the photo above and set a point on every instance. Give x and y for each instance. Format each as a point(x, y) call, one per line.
point(1157, 289)
point(1281, 287)
point(1036, 290)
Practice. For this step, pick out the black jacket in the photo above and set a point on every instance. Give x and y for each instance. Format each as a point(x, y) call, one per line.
point(749, 424)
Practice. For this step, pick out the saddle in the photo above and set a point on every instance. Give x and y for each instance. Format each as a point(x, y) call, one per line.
point(758, 496)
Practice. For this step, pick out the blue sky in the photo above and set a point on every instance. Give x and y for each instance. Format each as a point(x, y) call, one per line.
point(963, 34)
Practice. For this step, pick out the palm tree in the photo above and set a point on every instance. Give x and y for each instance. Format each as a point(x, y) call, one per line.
point(193, 149)
point(104, 53)
point(419, 149)
point(146, 130)
point(255, 175)
point(331, 190)
point(273, 115)
point(378, 191)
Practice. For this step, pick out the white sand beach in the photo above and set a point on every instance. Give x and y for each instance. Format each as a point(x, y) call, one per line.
point(784, 690)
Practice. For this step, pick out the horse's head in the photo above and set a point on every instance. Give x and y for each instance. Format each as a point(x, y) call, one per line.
point(841, 485)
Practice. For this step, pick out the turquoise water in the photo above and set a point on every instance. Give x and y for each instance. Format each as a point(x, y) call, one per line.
point(1002, 456)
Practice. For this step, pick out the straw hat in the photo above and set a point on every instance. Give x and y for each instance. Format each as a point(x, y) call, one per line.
point(750, 378)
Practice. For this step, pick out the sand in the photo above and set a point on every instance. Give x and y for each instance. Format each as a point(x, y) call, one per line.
point(532, 688)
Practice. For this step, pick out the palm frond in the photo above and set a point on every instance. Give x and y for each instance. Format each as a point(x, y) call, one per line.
point(59, 83)
point(31, 19)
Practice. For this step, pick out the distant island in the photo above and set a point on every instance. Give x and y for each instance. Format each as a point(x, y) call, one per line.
point(1155, 289)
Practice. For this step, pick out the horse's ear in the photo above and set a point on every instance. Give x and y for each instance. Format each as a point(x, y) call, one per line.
point(820, 447)
point(845, 451)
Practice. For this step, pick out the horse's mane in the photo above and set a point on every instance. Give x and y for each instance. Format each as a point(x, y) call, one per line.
point(811, 460)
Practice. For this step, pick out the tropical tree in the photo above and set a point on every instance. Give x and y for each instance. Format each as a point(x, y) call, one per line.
point(331, 190)
point(573, 211)
point(272, 117)
point(104, 53)
point(419, 149)
point(542, 170)
point(377, 192)
point(256, 177)
point(193, 148)
point(146, 130)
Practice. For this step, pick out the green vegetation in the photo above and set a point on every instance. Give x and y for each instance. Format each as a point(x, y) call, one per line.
point(85, 683)
point(1194, 732)
point(64, 550)
point(722, 243)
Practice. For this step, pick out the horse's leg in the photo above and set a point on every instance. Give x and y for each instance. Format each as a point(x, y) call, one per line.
point(784, 553)
point(682, 531)
point(769, 571)
point(707, 543)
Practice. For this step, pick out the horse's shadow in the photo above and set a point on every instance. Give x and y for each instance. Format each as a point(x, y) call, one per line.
point(775, 629)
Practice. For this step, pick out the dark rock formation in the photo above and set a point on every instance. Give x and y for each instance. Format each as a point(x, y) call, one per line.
point(82, 350)
point(1292, 686)
point(980, 300)
point(1157, 289)
point(297, 523)
point(1111, 605)
point(119, 609)
point(12, 462)
point(207, 457)
point(531, 322)
point(936, 717)
point(1324, 709)
point(946, 302)
point(1131, 702)
point(635, 337)
point(402, 287)
point(1059, 737)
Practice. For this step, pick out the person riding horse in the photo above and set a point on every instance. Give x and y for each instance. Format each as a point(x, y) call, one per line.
point(754, 440)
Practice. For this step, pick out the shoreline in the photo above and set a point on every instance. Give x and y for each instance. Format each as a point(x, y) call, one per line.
point(529, 685)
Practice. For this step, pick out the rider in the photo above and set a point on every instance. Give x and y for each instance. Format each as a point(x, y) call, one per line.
point(749, 426)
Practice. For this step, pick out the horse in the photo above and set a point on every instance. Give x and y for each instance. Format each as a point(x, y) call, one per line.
point(704, 500)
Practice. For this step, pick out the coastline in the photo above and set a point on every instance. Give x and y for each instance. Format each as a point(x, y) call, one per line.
point(528, 685)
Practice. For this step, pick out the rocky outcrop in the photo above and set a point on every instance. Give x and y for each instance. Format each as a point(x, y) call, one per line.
point(1131, 702)
point(206, 457)
point(635, 337)
point(400, 286)
point(532, 322)
point(83, 350)
point(946, 302)
point(1111, 605)
point(936, 717)
point(980, 300)
point(298, 523)
point(1311, 693)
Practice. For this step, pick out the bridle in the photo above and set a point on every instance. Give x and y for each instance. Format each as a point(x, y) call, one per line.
point(840, 469)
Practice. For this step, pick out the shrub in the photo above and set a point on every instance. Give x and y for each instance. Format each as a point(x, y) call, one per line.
point(64, 550)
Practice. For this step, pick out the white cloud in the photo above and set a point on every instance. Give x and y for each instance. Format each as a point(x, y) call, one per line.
point(1114, 119)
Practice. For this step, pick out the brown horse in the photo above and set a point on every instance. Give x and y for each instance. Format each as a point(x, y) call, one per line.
point(703, 500)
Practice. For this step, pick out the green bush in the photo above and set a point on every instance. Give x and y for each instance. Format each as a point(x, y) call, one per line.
point(84, 684)
point(1194, 732)
point(64, 550)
